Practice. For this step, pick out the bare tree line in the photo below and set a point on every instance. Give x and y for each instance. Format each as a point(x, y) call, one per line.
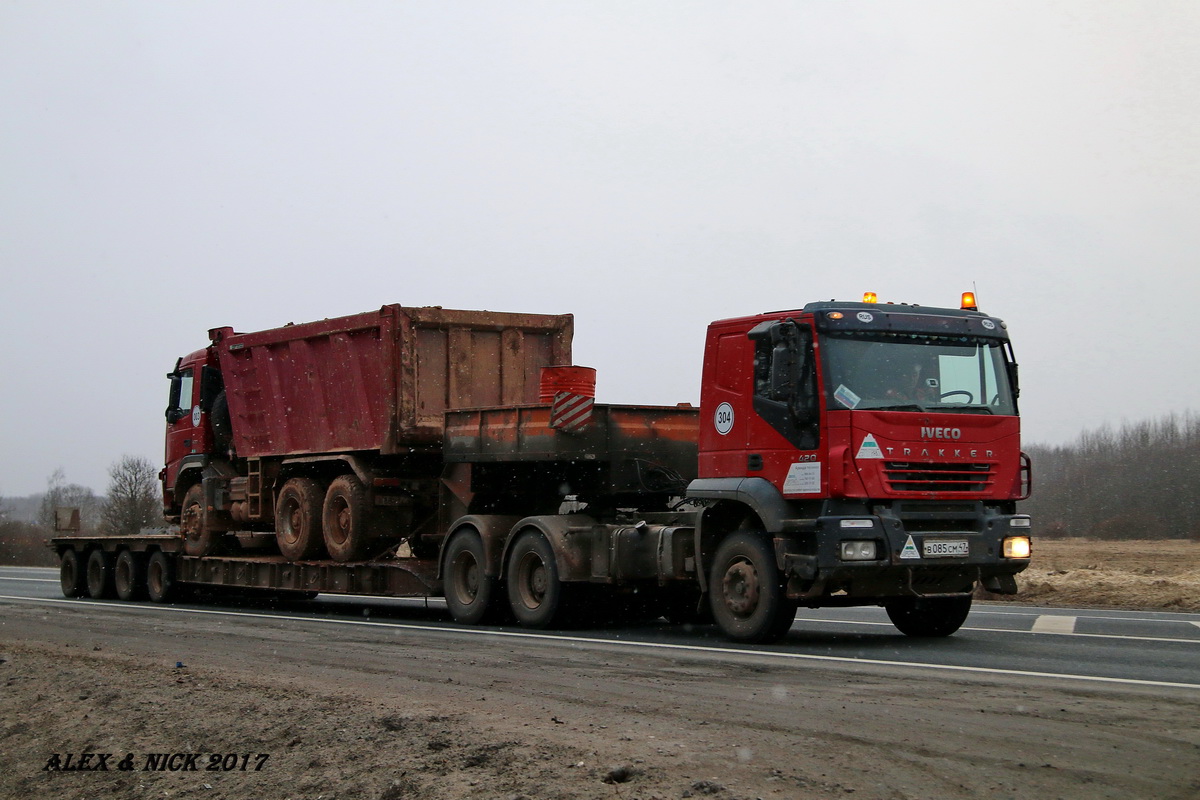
point(131, 504)
point(1138, 481)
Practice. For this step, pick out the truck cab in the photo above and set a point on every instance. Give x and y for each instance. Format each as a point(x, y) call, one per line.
point(876, 446)
point(195, 385)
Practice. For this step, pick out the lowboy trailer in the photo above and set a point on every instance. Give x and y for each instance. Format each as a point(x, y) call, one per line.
point(845, 453)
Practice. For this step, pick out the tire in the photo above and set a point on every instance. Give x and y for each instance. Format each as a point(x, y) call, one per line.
point(160, 578)
point(928, 616)
point(298, 520)
point(198, 540)
point(345, 519)
point(746, 592)
point(72, 574)
point(535, 594)
point(129, 576)
point(100, 575)
point(471, 595)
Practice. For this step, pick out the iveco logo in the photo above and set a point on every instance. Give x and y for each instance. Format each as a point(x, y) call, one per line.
point(941, 433)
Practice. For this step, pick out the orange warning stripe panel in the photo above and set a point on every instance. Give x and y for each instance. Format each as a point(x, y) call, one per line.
point(571, 412)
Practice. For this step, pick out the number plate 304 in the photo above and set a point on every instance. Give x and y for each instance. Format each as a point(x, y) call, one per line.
point(940, 548)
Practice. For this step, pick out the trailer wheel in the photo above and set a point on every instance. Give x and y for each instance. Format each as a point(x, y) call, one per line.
point(746, 593)
point(471, 595)
point(198, 540)
point(130, 576)
point(72, 574)
point(298, 519)
point(535, 593)
point(928, 616)
point(160, 578)
point(345, 519)
point(100, 575)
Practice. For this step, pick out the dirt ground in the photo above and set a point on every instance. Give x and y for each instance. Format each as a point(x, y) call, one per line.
point(1134, 573)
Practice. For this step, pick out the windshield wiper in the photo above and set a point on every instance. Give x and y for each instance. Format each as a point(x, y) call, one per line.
point(956, 409)
point(900, 407)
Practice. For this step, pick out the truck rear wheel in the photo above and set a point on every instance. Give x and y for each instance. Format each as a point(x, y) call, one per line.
point(160, 578)
point(746, 593)
point(345, 519)
point(535, 593)
point(100, 575)
point(298, 519)
point(130, 576)
point(72, 574)
point(198, 540)
point(928, 616)
point(471, 595)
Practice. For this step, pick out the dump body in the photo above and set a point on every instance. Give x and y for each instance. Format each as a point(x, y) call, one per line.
point(379, 381)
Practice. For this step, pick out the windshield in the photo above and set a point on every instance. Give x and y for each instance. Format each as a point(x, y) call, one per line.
point(916, 372)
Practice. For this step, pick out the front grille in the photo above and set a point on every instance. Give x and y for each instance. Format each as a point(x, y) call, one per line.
point(906, 476)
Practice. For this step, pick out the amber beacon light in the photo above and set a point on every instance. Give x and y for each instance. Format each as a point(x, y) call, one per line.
point(870, 297)
point(968, 301)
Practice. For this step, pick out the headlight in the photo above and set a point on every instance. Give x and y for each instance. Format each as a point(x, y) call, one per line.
point(1017, 547)
point(858, 551)
point(856, 523)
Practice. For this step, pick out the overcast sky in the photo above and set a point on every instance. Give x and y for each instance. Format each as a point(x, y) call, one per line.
point(166, 168)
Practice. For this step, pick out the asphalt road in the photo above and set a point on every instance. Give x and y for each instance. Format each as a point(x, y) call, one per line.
point(1142, 648)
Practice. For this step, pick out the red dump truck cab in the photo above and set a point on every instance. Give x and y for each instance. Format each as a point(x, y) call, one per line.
point(195, 384)
point(878, 445)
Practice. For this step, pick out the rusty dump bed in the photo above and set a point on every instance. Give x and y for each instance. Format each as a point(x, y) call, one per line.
point(631, 440)
point(380, 380)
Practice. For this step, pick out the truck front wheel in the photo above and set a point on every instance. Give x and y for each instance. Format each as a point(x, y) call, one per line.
point(747, 595)
point(198, 540)
point(534, 591)
point(298, 519)
point(471, 594)
point(928, 616)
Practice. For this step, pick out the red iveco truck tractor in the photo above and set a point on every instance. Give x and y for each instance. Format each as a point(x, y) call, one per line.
point(846, 453)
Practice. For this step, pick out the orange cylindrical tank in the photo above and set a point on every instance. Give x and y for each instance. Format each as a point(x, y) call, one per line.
point(575, 380)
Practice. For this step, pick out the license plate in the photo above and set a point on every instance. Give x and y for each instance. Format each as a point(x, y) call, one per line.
point(941, 548)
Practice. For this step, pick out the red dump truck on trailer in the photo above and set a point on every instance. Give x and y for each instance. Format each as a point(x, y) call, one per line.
point(843, 454)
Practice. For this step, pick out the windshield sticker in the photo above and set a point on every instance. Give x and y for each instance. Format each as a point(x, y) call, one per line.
point(803, 478)
point(869, 448)
point(846, 397)
point(910, 549)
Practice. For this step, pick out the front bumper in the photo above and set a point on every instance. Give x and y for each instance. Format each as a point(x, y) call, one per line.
point(924, 552)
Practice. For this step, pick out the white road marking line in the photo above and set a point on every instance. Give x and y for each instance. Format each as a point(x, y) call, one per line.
point(34, 580)
point(577, 640)
point(1121, 636)
point(1053, 623)
point(1109, 614)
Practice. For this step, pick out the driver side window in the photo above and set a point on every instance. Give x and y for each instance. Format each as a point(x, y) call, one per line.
point(180, 403)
